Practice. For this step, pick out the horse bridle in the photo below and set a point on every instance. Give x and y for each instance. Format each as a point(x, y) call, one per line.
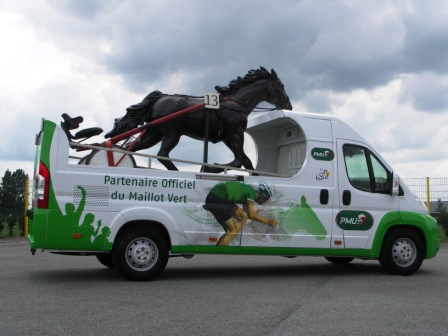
point(269, 88)
point(279, 96)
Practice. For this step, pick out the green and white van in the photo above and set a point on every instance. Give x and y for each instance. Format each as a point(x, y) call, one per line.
point(320, 189)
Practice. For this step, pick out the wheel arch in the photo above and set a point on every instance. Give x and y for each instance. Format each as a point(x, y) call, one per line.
point(414, 228)
point(152, 217)
point(419, 223)
point(154, 225)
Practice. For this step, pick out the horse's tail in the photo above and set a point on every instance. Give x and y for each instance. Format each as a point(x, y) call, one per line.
point(135, 115)
point(140, 112)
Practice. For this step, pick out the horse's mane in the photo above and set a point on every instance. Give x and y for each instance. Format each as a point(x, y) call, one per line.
point(137, 112)
point(251, 77)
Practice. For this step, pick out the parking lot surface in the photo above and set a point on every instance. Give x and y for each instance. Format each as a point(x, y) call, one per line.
point(48, 294)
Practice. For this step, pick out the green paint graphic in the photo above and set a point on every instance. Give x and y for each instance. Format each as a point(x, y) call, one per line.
point(72, 231)
point(299, 218)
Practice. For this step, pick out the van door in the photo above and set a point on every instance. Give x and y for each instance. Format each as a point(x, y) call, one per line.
point(364, 193)
point(302, 206)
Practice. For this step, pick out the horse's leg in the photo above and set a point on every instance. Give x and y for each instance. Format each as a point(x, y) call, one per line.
point(168, 143)
point(236, 144)
point(147, 141)
point(240, 156)
point(247, 163)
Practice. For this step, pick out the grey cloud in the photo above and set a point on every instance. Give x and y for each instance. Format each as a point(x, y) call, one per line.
point(426, 92)
point(86, 9)
point(426, 40)
point(313, 45)
point(323, 43)
point(318, 101)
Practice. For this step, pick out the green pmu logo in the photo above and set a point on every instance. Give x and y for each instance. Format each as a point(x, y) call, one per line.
point(323, 154)
point(354, 220)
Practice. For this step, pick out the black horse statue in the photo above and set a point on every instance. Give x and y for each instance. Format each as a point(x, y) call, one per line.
point(227, 124)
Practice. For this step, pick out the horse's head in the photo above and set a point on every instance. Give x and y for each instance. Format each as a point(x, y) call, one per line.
point(257, 86)
point(276, 93)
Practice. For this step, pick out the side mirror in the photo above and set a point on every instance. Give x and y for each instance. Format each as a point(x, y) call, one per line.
point(395, 187)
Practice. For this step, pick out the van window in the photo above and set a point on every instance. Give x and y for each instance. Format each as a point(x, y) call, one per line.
point(365, 172)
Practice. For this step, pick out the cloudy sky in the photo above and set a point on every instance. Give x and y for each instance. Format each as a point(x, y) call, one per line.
point(382, 66)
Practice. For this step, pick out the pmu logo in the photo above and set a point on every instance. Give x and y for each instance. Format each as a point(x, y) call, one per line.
point(354, 220)
point(323, 154)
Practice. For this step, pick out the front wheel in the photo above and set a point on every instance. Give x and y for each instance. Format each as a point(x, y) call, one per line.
point(141, 254)
point(402, 252)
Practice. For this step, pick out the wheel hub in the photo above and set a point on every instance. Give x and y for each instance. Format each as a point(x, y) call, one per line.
point(141, 254)
point(404, 252)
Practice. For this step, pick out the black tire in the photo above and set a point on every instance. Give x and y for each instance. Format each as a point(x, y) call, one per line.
point(340, 260)
point(106, 259)
point(402, 252)
point(141, 254)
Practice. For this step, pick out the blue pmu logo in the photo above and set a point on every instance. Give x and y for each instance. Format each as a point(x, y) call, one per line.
point(354, 220)
point(323, 154)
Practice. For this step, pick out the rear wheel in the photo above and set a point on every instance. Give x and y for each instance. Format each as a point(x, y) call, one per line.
point(141, 254)
point(340, 260)
point(402, 252)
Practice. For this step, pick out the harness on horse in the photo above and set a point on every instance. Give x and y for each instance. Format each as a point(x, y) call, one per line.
point(228, 122)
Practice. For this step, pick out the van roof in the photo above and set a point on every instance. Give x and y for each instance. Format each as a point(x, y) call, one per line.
point(256, 119)
point(339, 128)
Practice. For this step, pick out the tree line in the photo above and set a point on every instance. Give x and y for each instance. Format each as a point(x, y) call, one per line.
point(12, 202)
point(442, 216)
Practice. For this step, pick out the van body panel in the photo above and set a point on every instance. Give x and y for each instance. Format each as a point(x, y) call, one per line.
point(329, 196)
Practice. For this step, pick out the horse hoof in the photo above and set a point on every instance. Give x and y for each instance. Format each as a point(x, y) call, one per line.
point(208, 169)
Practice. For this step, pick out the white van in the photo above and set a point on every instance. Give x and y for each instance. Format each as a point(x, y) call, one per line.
point(320, 189)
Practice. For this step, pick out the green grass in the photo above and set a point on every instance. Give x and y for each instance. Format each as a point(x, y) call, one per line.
point(16, 232)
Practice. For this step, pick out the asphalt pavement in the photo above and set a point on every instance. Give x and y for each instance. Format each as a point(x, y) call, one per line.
point(48, 294)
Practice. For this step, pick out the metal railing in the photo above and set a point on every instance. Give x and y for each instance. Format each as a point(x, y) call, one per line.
point(430, 190)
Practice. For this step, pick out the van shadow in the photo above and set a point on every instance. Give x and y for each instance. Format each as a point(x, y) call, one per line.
point(270, 271)
point(194, 272)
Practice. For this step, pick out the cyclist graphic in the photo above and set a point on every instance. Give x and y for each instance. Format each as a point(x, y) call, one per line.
point(222, 202)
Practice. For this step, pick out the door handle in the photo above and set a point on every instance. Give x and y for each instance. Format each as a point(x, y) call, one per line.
point(324, 196)
point(346, 197)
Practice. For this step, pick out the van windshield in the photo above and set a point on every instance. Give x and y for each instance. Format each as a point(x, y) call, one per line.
point(365, 172)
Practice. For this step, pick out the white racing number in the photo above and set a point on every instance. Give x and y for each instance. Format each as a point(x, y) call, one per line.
point(211, 100)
